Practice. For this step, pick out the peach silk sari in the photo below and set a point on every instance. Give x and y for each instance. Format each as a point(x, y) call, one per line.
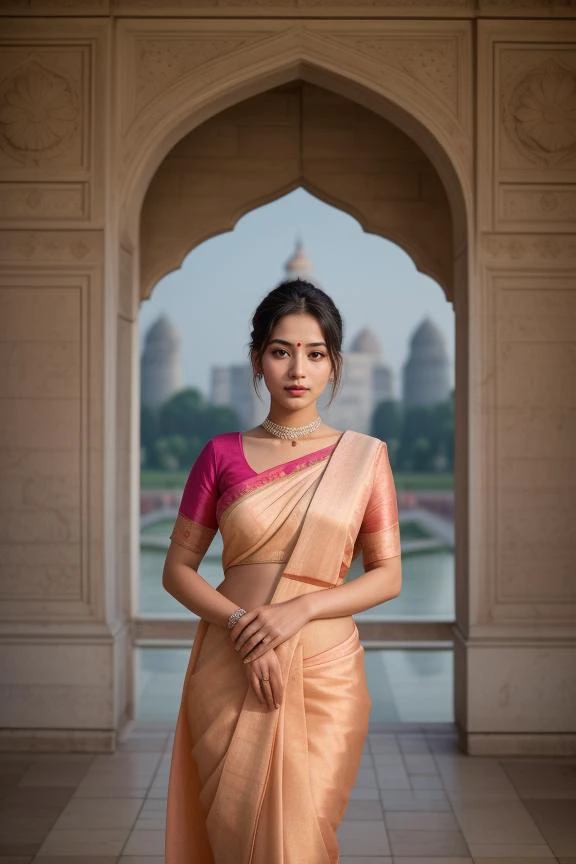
point(253, 786)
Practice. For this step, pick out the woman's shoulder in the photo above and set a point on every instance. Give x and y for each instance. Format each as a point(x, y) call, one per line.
point(222, 443)
point(223, 438)
point(365, 438)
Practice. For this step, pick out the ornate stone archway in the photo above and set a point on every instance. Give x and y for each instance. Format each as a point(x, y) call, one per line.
point(437, 201)
point(476, 97)
point(296, 135)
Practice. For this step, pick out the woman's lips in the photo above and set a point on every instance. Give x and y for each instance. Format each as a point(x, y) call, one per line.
point(296, 391)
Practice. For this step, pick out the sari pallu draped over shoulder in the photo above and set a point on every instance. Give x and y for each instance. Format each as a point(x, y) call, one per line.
point(254, 786)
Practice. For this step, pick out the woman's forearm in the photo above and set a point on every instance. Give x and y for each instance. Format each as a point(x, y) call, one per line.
point(373, 587)
point(194, 592)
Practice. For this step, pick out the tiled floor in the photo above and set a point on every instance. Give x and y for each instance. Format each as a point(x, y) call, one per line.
point(417, 799)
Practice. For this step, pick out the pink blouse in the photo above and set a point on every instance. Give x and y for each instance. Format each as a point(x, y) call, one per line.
point(220, 466)
point(220, 470)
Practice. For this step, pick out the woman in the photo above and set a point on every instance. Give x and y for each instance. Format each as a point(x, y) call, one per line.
point(275, 705)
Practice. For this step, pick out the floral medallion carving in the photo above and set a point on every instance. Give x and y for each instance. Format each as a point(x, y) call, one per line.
point(540, 115)
point(39, 113)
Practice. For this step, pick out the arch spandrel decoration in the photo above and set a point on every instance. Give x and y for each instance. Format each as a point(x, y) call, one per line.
point(296, 136)
point(314, 52)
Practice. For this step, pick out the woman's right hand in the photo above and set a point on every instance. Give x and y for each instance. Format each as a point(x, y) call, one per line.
point(269, 692)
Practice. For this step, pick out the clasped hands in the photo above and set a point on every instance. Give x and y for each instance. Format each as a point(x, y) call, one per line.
point(266, 627)
point(255, 637)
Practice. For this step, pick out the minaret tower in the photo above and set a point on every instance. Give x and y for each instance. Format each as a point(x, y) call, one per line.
point(299, 265)
point(427, 370)
point(161, 365)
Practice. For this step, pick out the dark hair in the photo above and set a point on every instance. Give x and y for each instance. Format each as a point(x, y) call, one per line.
point(298, 297)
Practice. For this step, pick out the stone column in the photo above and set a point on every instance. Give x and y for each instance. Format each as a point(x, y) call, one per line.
point(63, 627)
point(516, 645)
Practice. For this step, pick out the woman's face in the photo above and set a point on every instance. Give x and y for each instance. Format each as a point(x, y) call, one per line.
point(296, 364)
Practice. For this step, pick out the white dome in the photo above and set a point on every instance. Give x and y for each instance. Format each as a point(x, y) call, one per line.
point(298, 265)
point(427, 336)
point(162, 331)
point(366, 342)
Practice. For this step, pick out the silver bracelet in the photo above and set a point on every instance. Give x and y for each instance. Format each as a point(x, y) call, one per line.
point(235, 617)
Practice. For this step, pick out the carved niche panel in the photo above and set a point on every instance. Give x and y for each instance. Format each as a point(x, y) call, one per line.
point(50, 340)
point(534, 356)
point(50, 247)
point(30, 202)
point(537, 109)
point(41, 395)
point(545, 250)
point(44, 101)
point(522, 206)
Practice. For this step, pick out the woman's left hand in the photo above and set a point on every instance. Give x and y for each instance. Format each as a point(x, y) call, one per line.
point(266, 627)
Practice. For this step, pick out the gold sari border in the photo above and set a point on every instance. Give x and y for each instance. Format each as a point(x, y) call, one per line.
point(309, 580)
point(192, 535)
point(380, 545)
point(264, 478)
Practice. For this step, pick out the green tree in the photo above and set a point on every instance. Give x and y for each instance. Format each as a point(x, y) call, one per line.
point(182, 414)
point(172, 436)
point(186, 413)
point(387, 420)
point(169, 452)
point(149, 428)
point(422, 456)
point(221, 418)
point(427, 438)
point(387, 425)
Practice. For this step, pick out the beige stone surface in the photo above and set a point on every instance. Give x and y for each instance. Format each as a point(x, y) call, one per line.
point(53, 76)
point(446, 126)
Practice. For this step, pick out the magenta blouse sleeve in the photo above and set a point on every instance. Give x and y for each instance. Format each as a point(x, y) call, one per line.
point(196, 523)
point(379, 535)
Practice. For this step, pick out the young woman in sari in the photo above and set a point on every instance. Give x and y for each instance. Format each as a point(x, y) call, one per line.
point(275, 706)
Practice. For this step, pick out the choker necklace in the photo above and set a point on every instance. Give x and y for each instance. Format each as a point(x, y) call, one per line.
point(290, 432)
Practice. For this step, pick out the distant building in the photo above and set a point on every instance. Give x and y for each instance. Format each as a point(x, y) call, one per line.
point(366, 381)
point(232, 386)
point(161, 364)
point(426, 374)
point(368, 344)
point(299, 265)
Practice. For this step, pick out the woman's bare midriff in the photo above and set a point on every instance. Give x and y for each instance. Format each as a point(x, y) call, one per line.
point(251, 585)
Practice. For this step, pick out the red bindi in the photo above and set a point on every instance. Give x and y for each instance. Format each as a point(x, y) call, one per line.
point(298, 344)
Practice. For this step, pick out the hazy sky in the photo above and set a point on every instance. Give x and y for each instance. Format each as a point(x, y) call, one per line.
point(372, 281)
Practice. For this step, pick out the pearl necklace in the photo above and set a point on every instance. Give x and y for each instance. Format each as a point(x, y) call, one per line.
point(290, 432)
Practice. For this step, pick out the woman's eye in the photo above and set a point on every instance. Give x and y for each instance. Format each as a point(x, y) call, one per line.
point(278, 351)
point(317, 355)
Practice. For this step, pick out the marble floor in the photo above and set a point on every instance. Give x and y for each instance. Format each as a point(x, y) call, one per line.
point(416, 799)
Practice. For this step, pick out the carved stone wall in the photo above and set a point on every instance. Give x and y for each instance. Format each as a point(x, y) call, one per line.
point(295, 8)
point(528, 90)
point(296, 135)
point(241, 82)
point(51, 442)
point(52, 123)
point(513, 658)
point(181, 76)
